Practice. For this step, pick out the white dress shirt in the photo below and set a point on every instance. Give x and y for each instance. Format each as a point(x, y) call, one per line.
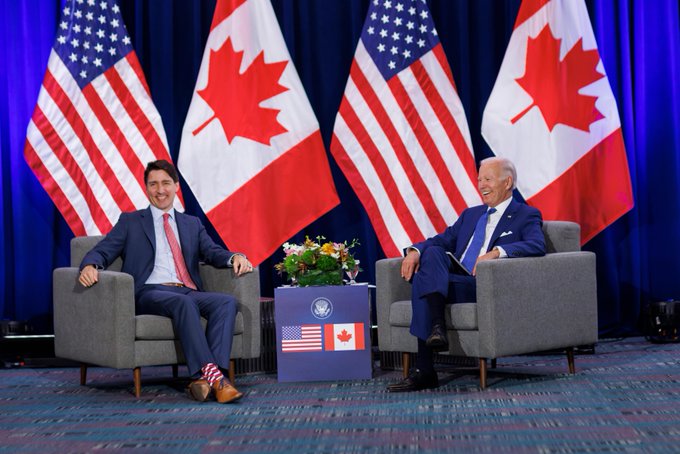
point(164, 264)
point(492, 222)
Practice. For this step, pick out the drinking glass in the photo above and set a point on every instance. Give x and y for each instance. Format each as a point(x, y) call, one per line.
point(352, 274)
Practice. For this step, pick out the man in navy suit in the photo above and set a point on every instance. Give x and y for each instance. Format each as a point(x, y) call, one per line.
point(161, 249)
point(500, 228)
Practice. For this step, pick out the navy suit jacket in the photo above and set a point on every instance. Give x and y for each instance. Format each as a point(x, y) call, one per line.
point(518, 232)
point(134, 240)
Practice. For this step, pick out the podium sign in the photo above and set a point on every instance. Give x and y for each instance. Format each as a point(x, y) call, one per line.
point(323, 333)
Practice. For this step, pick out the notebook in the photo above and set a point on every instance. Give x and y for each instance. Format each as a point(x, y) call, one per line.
point(457, 266)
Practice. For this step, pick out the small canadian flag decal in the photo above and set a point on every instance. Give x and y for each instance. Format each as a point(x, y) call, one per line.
point(344, 336)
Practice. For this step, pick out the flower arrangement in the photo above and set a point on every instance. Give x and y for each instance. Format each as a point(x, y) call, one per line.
point(317, 262)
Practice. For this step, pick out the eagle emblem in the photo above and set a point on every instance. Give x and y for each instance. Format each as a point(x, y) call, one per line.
point(322, 308)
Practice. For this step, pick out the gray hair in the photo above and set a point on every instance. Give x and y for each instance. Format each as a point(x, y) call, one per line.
point(507, 167)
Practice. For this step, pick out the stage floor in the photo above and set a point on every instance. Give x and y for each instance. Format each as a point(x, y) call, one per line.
point(623, 398)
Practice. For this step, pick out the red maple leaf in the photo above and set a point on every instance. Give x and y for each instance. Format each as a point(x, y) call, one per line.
point(344, 336)
point(553, 84)
point(235, 98)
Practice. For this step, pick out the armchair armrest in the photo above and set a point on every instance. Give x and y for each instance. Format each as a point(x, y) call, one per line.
point(94, 325)
point(531, 304)
point(390, 287)
point(246, 289)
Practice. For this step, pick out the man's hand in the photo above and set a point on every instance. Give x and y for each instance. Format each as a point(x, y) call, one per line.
point(88, 276)
point(491, 255)
point(241, 265)
point(410, 264)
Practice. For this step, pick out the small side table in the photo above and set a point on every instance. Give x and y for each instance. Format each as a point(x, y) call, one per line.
point(323, 333)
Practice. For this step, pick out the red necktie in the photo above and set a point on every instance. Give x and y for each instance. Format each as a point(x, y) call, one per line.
point(177, 257)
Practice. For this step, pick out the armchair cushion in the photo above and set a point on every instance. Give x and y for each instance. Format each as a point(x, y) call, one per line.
point(153, 327)
point(458, 316)
point(462, 316)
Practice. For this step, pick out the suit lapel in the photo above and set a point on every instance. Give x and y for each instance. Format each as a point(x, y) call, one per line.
point(467, 229)
point(504, 222)
point(147, 226)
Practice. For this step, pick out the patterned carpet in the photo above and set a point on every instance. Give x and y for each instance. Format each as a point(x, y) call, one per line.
point(624, 398)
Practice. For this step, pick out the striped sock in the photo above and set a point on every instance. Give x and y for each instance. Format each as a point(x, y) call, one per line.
point(211, 373)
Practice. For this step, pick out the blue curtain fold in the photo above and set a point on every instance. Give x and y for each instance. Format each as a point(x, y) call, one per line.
point(639, 42)
point(34, 235)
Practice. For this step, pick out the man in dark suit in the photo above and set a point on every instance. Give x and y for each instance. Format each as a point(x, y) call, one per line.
point(500, 228)
point(161, 249)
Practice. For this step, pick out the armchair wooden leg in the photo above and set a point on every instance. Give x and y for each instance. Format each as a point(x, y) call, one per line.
point(482, 373)
point(137, 377)
point(493, 363)
point(570, 360)
point(175, 371)
point(231, 370)
point(406, 363)
point(83, 374)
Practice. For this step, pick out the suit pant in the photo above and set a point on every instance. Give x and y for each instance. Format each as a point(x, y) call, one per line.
point(434, 276)
point(185, 307)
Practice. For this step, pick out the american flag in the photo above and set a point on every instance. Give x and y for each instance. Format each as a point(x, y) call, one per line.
point(94, 127)
point(301, 338)
point(401, 136)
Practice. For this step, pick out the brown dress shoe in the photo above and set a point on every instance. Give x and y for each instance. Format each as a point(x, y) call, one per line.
point(199, 390)
point(225, 391)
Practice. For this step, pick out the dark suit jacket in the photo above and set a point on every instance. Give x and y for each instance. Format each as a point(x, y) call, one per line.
point(134, 240)
point(518, 232)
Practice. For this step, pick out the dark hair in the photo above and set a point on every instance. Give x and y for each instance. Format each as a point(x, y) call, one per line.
point(161, 164)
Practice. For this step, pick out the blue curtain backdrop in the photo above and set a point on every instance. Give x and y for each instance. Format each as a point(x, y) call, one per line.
point(639, 41)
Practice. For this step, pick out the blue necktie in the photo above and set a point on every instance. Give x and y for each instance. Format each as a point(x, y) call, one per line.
point(477, 241)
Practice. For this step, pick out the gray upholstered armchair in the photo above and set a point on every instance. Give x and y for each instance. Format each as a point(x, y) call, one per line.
point(524, 305)
point(98, 325)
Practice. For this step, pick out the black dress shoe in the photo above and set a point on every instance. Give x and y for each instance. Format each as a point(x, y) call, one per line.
point(416, 381)
point(438, 340)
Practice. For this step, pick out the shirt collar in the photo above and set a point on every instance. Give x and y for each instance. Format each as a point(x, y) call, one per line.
point(157, 213)
point(501, 207)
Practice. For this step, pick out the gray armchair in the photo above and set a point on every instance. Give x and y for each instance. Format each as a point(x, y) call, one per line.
point(98, 325)
point(524, 305)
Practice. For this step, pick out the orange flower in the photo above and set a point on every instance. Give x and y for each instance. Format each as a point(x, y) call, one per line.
point(328, 249)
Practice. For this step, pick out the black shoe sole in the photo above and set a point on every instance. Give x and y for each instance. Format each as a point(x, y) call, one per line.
point(408, 389)
point(437, 346)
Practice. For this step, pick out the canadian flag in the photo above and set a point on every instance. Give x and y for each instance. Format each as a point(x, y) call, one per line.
point(344, 336)
point(251, 149)
point(553, 114)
